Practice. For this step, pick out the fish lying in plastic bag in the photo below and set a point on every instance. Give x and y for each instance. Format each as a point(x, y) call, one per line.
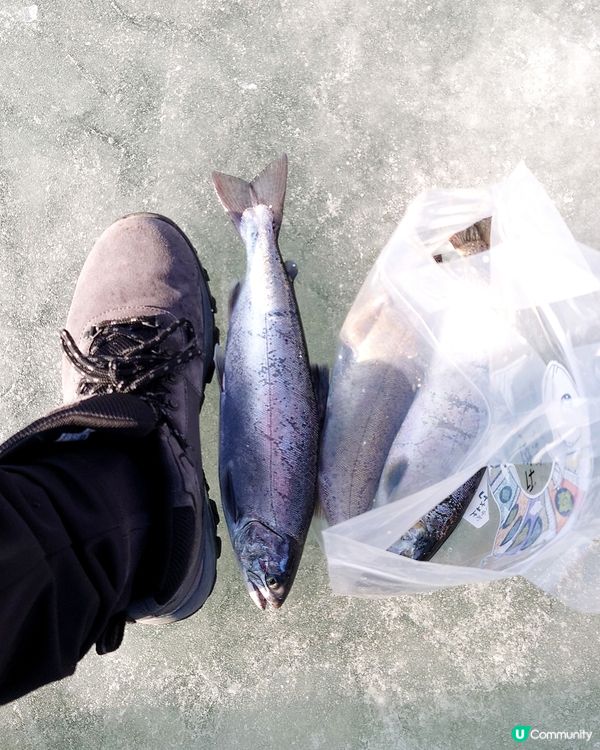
point(447, 416)
point(486, 359)
point(394, 414)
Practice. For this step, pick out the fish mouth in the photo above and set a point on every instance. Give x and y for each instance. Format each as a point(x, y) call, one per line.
point(262, 602)
point(257, 596)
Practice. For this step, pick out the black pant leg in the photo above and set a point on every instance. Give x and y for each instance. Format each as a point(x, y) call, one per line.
point(74, 524)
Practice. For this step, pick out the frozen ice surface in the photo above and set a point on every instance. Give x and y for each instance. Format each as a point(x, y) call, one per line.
point(116, 106)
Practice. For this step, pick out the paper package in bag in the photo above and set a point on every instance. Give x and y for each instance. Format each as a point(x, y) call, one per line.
point(479, 372)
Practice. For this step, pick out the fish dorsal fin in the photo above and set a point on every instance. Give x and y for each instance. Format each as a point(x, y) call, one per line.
point(291, 268)
point(268, 189)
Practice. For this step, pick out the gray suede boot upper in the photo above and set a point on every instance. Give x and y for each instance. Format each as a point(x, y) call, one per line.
point(141, 322)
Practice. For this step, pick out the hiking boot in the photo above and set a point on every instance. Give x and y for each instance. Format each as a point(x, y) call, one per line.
point(142, 323)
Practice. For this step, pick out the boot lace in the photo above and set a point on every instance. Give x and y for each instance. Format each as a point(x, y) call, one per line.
point(129, 356)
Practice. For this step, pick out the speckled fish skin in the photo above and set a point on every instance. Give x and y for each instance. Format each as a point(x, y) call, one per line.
point(374, 382)
point(269, 413)
point(369, 397)
point(447, 416)
point(425, 538)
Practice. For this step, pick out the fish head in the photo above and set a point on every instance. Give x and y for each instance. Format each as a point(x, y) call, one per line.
point(416, 543)
point(268, 561)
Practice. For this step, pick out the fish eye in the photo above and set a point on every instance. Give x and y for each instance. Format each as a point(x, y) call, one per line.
point(566, 397)
point(275, 584)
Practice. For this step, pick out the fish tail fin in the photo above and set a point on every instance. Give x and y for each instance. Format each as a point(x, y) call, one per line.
point(236, 195)
point(473, 239)
point(268, 189)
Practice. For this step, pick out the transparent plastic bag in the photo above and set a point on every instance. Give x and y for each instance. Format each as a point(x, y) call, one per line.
point(487, 361)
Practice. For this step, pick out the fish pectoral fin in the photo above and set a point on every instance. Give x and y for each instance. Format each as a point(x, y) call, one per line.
point(233, 295)
point(320, 380)
point(291, 268)
point(268, 189)
point(228, 502)
point(393, 475)
point(220, 366)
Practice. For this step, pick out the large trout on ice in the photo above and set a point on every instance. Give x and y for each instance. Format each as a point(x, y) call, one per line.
point(269, 426)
